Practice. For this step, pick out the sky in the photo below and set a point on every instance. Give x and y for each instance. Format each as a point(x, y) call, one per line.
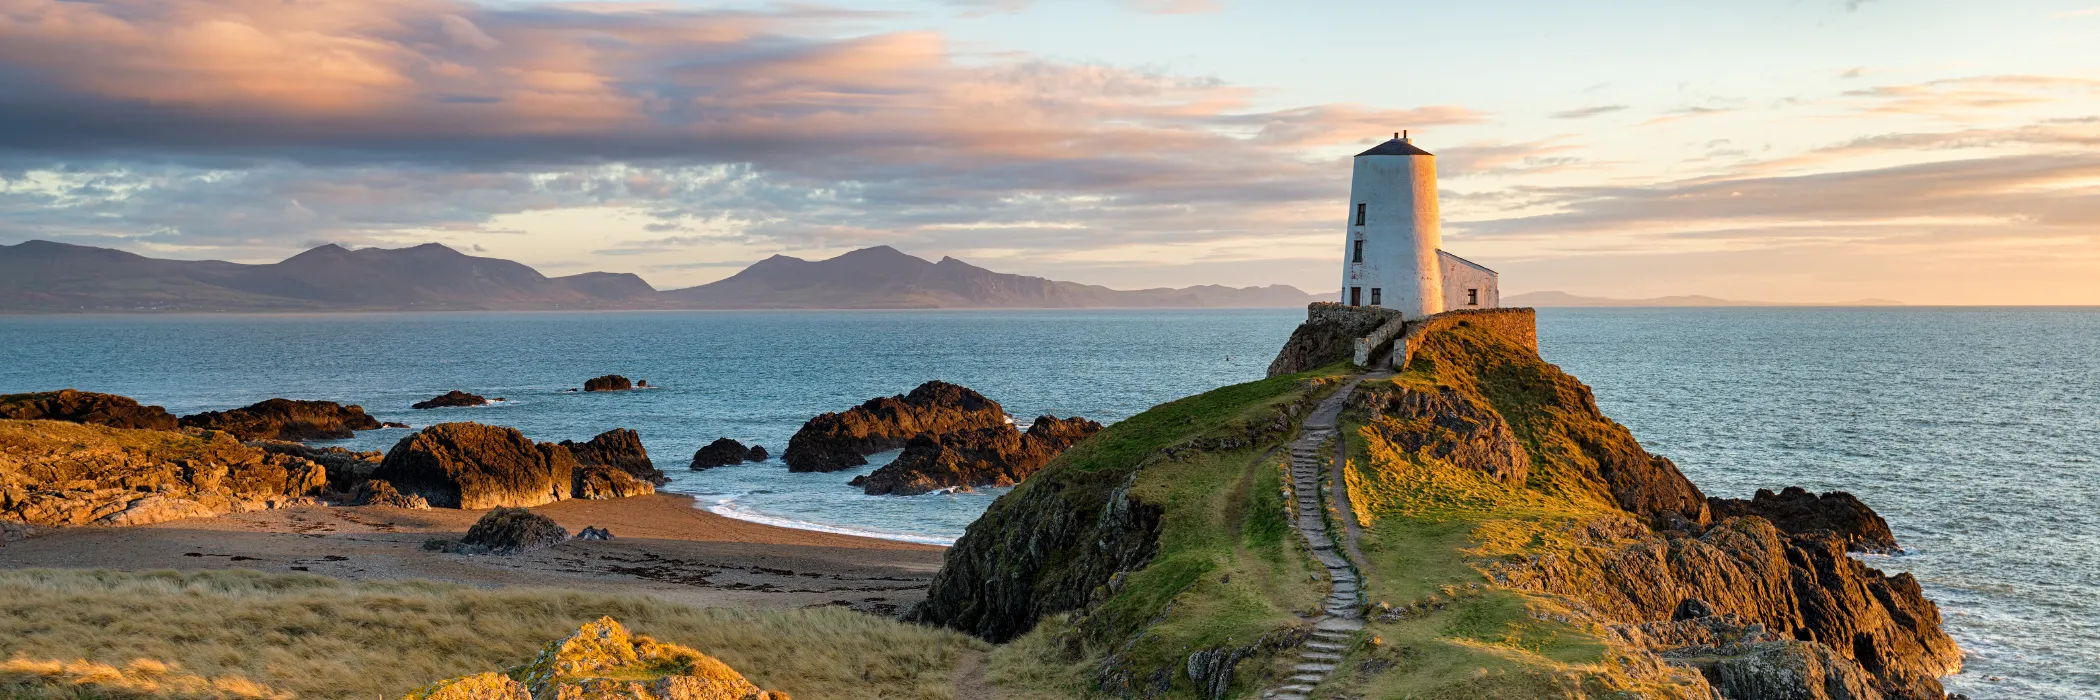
point(1781, 150)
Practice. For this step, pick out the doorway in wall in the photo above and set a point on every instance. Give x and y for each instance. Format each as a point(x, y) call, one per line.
point(1356, 296)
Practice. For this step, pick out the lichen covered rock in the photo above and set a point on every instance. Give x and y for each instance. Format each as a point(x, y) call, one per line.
point(836, 441)
point(511, 531)
point(85, 407)
point(64, 474)
point(285, 419)
point(1795, 510)
point(602, 660)
point(474, 466)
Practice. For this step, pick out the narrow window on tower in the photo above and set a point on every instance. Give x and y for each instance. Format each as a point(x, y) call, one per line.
point(1356, 296)
point(1472, 297)
point(1356, 255)
point(1359, 213)
point(1375, 300)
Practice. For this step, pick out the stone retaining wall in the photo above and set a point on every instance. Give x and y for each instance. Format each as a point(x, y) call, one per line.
point(1519, 326)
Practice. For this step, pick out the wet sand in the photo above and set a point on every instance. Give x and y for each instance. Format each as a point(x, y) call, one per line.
point(663, 546)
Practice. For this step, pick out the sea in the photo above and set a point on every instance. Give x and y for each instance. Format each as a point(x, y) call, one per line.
point(1974, 431)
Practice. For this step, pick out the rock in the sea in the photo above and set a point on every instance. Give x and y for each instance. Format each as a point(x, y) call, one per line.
point(508, 531)
point(593, 532)
point(757, 454)
point(475, 466)
point(603, 661)
point(836, 441)
point(1797, 511)
point(452, 398)
point(621, 449)
point(285, 419)
point(720, 453)
point(999, 456)
point(85, 407)
point(610, 382)
point(374, 492)
point(66, 474)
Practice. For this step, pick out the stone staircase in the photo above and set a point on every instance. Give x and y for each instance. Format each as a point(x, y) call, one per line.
point(1344, 613)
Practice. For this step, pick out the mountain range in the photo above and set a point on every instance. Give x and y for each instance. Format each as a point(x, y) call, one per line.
point(48, 277)
point(1564, 299)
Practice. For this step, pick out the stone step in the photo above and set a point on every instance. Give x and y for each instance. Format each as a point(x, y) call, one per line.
point(1328, 656)
point(1325, 646)
point(1313, 668)
point(1308, 678)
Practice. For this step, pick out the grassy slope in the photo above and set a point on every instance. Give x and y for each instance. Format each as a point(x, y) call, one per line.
point(1429, 522)
point(323, 638)
point(1229, 569)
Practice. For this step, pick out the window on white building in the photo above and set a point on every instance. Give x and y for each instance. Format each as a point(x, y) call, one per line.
point(1357, 255)
point(1375, 296)
point(1472, 297)
point(1359, 213)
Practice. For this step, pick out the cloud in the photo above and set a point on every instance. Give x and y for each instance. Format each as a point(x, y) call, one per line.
point(1960, 97)
point(1587, 112)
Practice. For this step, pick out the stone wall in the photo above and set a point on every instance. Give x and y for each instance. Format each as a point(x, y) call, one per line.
point(1375, 343)
point(1519, 326)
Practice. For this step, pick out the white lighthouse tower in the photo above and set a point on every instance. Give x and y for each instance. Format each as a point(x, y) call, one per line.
point(1393, 256)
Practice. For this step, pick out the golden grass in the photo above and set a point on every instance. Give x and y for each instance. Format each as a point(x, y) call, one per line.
point(322, 638)
point(23, 678)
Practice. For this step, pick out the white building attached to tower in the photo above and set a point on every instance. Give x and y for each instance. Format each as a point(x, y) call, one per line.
point(1394, 257)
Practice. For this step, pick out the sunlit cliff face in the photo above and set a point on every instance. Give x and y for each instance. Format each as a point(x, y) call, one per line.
point(682, 141)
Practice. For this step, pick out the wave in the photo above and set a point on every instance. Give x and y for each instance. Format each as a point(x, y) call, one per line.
point(725, 508)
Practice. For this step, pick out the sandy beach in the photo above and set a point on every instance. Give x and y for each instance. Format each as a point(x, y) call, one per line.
point(663, 546)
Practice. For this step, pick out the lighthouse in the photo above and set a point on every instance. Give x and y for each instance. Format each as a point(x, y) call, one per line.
point(1393, 255)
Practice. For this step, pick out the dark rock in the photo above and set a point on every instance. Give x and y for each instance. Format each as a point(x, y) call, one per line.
point(1691, 609)
point(85, 407)
point(1446, 424)
point(1797, 511)
point(836, 441)
point(452, 398)
point(509, 531)
point(285, 419)
point(757, 454)
point(999, 456)
point(1748, 662)
point(594, 532)
point(641, 384)
point(64, 474)
point(720, 453)
point(474, 466)
point(374, 492)
point(1327, 336)
point(620, 448)
point(610, 382)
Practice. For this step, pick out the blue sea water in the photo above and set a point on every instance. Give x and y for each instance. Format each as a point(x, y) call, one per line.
point(1973, 431)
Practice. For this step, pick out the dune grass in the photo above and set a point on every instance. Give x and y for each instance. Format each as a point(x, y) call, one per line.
point(315, 637)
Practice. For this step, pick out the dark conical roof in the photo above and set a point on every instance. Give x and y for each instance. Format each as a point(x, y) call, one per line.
point(1394, 147)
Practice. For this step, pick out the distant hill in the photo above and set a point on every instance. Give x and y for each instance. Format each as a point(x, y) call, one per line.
point(1552, 299)
point(886, 278)
point(47, 277)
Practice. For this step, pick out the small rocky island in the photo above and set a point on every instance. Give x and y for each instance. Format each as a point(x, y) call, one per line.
point(998, 456)
point(451, 399)
point(724, 452)
point(835, 441)
point(610, 382)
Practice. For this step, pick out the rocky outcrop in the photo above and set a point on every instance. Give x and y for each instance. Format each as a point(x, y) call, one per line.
point(1801, 587)
point(724, 452)
point(373, 492)
point(450, 399)
point(508, 531)
point(1797, 511)
point(836, 441)
point(997, 456)
point(603, 660)
point(85, 407)
point(64, 474)
point(1327, 336)
point(1445, 423)
point(610, 382)
point(285, 419)
point(474, 466)
point(345, 467)
point(1746, 661)
point(619, 448)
